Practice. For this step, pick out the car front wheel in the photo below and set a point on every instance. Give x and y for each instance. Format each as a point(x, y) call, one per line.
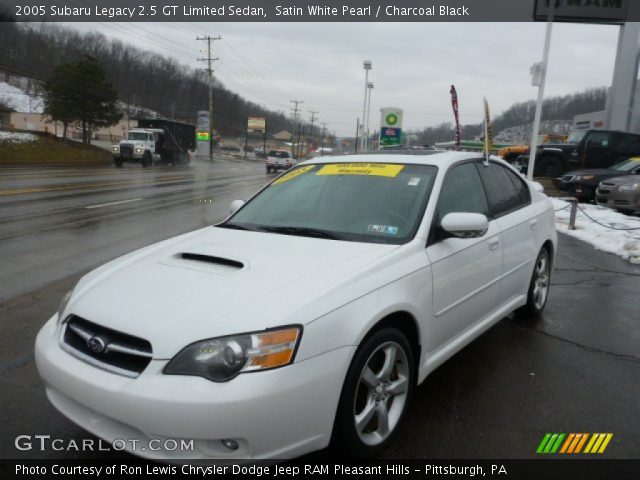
point(539, 286)
point(375, 394)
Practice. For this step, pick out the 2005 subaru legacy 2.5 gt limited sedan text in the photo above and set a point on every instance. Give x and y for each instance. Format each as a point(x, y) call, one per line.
point(309, 315)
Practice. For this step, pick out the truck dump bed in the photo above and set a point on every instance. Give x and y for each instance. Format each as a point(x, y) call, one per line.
point(180, 136)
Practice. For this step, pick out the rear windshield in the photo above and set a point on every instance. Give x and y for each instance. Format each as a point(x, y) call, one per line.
point(279, 154)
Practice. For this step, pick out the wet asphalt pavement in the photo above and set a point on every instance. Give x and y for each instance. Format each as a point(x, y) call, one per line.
point(575, 370)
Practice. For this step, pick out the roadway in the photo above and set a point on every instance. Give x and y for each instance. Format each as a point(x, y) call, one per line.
point(575, 370)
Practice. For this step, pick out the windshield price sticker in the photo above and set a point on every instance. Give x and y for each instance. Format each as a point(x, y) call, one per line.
point(293, 174)
point(375, 169)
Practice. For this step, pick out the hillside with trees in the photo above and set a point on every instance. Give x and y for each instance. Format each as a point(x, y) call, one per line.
point(557, 114)
point(141, 78)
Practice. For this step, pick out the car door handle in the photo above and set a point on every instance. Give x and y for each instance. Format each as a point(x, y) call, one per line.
point(493, 243)
point(533, 224)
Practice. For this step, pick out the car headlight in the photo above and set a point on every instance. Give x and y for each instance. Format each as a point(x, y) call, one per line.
point(221, 359)
point(629, 187)
point(138, 150)
point(116, 148)
point(63, 305)
point(585, 177)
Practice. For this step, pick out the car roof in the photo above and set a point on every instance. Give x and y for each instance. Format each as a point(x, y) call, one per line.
point(426, 157)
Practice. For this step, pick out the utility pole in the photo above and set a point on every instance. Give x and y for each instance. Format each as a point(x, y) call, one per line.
point(210, 60)
point(313, 117)
point(295, 111)
point(324, 129)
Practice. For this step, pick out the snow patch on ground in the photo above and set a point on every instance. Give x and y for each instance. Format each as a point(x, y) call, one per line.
point(20, 101)
point(15, 137)
point(624, 243)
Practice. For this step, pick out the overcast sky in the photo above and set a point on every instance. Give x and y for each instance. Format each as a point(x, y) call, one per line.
point(414, 64)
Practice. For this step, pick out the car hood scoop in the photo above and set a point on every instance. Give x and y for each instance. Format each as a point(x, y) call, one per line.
point(205, 262)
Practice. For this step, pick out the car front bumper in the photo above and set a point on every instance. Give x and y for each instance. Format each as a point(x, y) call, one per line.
point(578, 189)
point(280, 413)
point(628, 201)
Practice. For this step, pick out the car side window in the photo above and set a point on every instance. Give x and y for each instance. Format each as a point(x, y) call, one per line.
point(462, 191)
point(599, 140)
point(505, 190)
point(627, 144)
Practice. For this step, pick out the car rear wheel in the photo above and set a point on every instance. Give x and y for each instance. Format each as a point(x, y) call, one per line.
point(375, 394)
point(539, 286)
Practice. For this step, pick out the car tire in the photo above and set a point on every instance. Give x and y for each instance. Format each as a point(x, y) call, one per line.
point(268, 169)
point(376, 387)
point(550, 167)
point(146, 160)
point(539, 286)
point(118, 163)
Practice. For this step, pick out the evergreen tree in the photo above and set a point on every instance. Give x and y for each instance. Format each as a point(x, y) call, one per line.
point(79, 92)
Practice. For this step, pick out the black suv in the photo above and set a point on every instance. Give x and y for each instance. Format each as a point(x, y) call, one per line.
point(584, 149)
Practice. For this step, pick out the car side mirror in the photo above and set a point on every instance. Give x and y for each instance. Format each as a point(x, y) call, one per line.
point(235, 206)
point(465, 225)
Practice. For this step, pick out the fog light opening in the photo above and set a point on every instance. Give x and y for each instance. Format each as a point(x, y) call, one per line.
point(230, 443)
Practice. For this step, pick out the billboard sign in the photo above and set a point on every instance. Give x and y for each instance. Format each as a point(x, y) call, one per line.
point(584, 11)
point(256, 124)
point(390, 126)
point(203, 120)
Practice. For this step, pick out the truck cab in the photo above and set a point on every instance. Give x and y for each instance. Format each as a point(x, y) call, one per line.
point(139, 147)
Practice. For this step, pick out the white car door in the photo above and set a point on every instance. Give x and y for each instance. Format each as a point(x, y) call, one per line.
point(510, 203)
point(466, 272)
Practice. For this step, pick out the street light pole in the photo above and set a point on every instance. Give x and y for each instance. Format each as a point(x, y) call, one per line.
point(367, 67)
point(370, 88)
point(533, 148)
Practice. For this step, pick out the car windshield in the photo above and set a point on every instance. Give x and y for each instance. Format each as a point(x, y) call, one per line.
point(137, 136)
point(366, 202)
point(575, 137)
point(627, 165)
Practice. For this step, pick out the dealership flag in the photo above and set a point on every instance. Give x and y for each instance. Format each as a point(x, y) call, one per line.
point(488, 131)
point(454, 104)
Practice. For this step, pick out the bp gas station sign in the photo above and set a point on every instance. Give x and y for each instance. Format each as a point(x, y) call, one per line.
point(390, 126)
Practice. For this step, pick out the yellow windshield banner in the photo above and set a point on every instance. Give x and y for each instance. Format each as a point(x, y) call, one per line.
point(293, 174)
point(376, 169)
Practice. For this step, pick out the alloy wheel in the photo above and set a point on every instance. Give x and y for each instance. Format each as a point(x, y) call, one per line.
point(541, 280)
point(381, 393)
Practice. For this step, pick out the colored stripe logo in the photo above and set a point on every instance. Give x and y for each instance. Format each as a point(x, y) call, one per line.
point(572, 443)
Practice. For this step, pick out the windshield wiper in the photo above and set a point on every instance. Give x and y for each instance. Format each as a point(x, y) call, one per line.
point(234, 226)
point(301, 231)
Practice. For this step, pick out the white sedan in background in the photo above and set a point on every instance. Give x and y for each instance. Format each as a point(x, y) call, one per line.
point(307, 316)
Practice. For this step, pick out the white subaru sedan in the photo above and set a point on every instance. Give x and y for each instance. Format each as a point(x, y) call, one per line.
point(305, 318)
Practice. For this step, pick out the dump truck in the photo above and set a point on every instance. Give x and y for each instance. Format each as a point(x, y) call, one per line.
point(156, 142)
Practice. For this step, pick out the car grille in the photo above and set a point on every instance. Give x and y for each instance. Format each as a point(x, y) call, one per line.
point(105, 348)
point(621, 202)
point(126, 150)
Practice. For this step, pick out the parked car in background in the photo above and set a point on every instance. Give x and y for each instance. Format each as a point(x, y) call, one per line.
point(309, 315)
point(512, 152)
point(620, 193)
point(583, 183)
point(583, 149)
point(279, 160)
